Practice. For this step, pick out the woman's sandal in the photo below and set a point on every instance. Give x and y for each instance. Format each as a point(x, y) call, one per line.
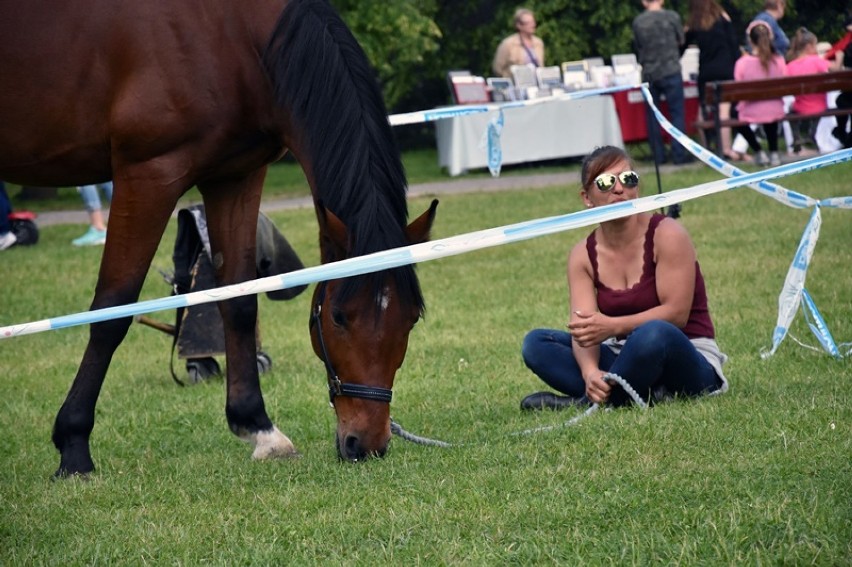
point(737, 156)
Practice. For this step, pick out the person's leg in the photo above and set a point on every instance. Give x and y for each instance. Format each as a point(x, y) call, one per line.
point(725, 134)
point(655, 139)
point(748, 134)
point(5, 209)
point(672, 86)
point(659, 354)
point(96, 234)
point(91, 200)
point(771, 131)
point(7, 237)
point(107, 189)
point(549, 354)
point(844, 100)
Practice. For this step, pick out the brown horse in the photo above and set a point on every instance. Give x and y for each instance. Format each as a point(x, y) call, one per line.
point(160, 96)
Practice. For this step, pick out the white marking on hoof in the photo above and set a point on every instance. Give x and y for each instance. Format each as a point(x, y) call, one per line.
point(271, 444)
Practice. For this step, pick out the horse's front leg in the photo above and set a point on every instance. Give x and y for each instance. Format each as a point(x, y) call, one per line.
point(135, 228)
point(232, 209)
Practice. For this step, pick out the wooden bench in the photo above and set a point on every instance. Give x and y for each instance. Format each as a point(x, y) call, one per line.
point(762, 89)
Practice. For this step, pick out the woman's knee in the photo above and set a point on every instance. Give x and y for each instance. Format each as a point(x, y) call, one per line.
point(537, 344)
point(532, 344)
point(655, 335)
point(657, 327)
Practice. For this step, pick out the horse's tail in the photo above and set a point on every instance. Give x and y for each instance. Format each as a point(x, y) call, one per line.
point(323, 79)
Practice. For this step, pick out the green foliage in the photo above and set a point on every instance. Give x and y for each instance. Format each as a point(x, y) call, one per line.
point(397, 36)
point(413, 44)
point(576, 29)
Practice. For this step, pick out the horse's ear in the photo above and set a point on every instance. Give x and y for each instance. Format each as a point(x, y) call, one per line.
point(332, 230)
point(418, 230)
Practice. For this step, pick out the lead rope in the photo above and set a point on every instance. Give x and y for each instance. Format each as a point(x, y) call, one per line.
point(398, 430)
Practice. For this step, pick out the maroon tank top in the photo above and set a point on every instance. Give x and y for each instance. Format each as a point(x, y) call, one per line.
point(643, 295)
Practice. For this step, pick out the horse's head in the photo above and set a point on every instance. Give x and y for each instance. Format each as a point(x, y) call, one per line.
point(361, 334)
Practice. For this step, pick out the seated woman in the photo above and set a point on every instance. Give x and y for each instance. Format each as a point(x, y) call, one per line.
point(802, 59)
point(765, 63)
point(638, 307)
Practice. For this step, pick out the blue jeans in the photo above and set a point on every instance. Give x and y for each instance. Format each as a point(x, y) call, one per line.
point(91, 199)
point(655, 354)
point(670, 87)
point(5, 209)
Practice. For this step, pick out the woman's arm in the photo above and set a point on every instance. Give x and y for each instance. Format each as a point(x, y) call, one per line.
point(675, 276)
point(583, 300)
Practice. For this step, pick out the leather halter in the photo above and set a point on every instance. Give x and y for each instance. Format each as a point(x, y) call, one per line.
point(335, 386)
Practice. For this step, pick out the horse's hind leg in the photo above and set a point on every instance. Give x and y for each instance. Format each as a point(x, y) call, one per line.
point(232, 209)
point(135, 229)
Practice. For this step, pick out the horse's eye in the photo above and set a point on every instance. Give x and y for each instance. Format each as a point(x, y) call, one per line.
point(338, 317)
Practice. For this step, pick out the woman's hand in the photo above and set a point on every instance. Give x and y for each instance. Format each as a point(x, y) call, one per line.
point(597, 389)
point(590, 329)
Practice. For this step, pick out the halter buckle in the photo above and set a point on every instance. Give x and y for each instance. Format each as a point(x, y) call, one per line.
point(334, 388)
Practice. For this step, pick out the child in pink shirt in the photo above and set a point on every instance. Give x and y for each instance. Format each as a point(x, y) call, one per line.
point(802, 59)
point(765, 63)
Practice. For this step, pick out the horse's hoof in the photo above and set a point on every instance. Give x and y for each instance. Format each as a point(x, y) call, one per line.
point(64, 474)
point(273, 445)
point(268, 453)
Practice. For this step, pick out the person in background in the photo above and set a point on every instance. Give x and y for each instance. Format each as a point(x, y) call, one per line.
point(773, 10)
point(96, 234)
point(802, 59)
point(7, 237)
point(523, 47)
point(840, 57)
point(709, 28)
point(834, 55)
point(638, 306)
point(765, 63)
point(658, 40)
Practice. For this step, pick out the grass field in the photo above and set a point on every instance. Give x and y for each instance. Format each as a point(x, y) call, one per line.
point(761, 475)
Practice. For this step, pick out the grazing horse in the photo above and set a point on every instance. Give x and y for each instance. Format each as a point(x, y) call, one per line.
point(160, 96)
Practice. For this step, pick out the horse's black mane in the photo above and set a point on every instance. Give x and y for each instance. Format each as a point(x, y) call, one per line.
point(322, 77)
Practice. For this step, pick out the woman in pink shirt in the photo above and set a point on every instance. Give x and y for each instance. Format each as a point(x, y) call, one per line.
point(764, 63)
point(802, 59)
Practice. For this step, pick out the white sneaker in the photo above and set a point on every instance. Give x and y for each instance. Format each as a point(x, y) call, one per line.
point(8, 240)
point(774, 159)
point(761, 159)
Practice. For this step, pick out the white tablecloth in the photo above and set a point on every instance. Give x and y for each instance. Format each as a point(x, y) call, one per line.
point(555, 129)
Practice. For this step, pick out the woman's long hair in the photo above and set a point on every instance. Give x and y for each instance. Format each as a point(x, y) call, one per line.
point(703, 14)
point(760, 35)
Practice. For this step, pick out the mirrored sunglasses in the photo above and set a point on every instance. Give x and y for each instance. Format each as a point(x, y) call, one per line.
point(606, 181)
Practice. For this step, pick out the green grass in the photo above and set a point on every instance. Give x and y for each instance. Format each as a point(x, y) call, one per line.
point(758, 476)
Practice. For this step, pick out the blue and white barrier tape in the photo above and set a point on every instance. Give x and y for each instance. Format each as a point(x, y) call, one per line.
point(422, 116)
point(491, 142)
point(794, 284)
point(817, 325)
point(780, 194)
point(793, 290)
point(426, 251)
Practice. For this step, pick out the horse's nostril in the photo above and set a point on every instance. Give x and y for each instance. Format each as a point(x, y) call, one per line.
point(352, 448)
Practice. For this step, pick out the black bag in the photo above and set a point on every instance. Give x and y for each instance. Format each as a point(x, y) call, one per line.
point(199, 333)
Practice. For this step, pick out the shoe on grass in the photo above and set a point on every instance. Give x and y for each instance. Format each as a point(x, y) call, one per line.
point(549, 400)
point(8, 240)
point(774, 159)
point(93, 237)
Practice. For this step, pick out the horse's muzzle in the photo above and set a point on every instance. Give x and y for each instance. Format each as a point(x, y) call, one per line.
point(351, 448)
